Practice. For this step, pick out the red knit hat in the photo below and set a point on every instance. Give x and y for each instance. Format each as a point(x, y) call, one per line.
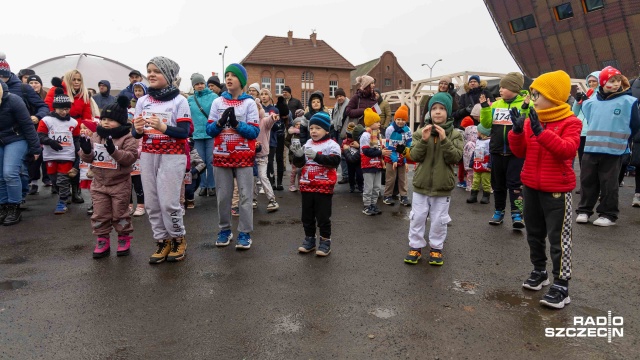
point(607, 73)
point(467, 121)
point(5, 69)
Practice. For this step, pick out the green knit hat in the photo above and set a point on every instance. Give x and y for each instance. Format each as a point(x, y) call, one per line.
point(239, 71)
point(442, 98)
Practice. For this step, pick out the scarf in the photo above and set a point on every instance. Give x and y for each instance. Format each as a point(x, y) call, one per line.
point(555, 113)
point(63, 118)
point(397, 128)
point(115, 133)
point(242, 96)
point(165, 94)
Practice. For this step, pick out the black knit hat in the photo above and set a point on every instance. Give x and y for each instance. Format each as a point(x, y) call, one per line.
point(287, 89)
point(35, 78)
point(215, 80)
point(117, 111)
point(61, 100)
point(340, 91)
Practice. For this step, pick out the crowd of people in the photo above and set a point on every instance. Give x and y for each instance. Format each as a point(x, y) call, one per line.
point(230, 140)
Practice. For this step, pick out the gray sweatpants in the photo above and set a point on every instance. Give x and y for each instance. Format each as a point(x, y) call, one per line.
point(224, 193)
point(162, 177)
point(372, 186)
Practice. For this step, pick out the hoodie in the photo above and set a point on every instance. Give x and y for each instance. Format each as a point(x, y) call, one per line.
point(577, 106)
point(35, 105)
point(102, 100)
point(304, 126)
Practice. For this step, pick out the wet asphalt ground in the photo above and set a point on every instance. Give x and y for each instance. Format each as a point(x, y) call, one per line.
point(361, 302)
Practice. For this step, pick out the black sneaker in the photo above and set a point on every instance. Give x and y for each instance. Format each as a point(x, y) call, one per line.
point(557, 297)
point(388, 200)
point(536, 280)
point(405, 201)
point(324, 249)
point(33, 189)
point(369, 211)
point(413, 256)
point(435, 257)
point(376, 210)
point(308, 244)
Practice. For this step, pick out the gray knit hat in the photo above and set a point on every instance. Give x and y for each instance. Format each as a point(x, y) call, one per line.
point(168, 68)
point(197, 78)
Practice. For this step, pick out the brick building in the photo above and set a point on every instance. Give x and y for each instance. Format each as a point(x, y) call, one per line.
point(388, 73)
point(577, 36)
point(305, 65)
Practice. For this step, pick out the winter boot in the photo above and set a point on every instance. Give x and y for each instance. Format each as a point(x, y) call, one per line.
point(103, 248)
point(76, 195)
point(124, 243)
point(4, 211)
point(485, 197)
point(473, 197)
point(13, 215)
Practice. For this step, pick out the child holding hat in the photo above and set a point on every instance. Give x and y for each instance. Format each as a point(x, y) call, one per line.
point(548, 142)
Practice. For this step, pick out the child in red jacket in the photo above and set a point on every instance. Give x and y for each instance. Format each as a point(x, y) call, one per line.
point(548, 142)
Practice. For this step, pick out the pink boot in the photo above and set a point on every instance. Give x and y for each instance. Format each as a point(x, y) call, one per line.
point(102, 249)
point(124, 242)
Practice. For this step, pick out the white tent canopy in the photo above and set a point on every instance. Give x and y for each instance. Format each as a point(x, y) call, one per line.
point(92, 67)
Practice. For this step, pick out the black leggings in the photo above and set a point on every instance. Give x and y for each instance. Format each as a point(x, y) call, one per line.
point(136, 181)
point(278, 153)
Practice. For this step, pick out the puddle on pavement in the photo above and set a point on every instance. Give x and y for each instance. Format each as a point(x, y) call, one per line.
point(512, 299)
point(383, 313)
point(14, 260)
point(12, 284)
point(465, 286)
point(288, 324)
point(402, 214)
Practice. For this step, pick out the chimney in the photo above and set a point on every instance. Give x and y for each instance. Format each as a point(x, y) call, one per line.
point(290, 36)
point(313, 39)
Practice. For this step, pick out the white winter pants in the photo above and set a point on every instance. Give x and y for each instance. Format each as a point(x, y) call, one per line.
point(437, 209)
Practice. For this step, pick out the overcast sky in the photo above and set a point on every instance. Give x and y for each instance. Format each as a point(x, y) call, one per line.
point(193, 33)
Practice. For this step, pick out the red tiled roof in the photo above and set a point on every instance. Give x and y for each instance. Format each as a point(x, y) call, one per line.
point(275, 50)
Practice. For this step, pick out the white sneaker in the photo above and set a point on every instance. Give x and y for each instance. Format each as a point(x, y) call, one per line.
point(582, 218)
point(636, 200)
point(273, 206)
point(261, 190)
point(602, 221)
point(139, 211)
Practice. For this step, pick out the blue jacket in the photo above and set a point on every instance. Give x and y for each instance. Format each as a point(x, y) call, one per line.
point(15, 122)
point(278, 127)
point(101, 100)
point(205, 98)
point(612, 120)
point(395, 136)
point(128, 92)
point(31, 98)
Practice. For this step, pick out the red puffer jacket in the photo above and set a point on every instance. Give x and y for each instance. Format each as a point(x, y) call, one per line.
point(80, 110)
point(548, 157)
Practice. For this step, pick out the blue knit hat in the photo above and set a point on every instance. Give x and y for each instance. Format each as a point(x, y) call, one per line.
point(474, 77)
point(321, 119)
point(239, 71)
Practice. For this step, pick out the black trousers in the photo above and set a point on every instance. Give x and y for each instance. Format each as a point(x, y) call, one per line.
point(136, 182)
point(583, 140)
point(505, 176)
point(599, 179)
point(37, 166)
point(355, 176)
point(316, 208)
point(549, 215)
point(278, 153)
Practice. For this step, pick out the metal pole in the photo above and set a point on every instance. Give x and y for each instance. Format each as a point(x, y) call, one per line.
point(222, 54)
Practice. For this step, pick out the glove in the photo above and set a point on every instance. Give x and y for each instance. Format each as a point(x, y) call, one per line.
point(311, 154)
point(258, 147)
point(517, 120)
point(296, 149)
point(224, 118)
point(536, 126)
point(85, 144)
point(299, 113)
point(54, 145)
point(233, 122)
point(580, 96)
point(400, 148)
point(109, 145)
point(469, 108)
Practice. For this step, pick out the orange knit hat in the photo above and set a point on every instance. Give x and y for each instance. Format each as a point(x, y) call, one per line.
point(402, 113)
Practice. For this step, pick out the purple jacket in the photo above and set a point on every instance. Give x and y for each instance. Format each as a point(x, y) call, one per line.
point(355, 107)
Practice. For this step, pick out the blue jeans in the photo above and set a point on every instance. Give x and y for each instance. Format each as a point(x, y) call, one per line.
point(11, 161)
point(24, 178)
point(204, 147)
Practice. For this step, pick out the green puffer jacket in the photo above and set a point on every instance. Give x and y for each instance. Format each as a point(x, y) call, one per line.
point(497, 118)
point(436, 159)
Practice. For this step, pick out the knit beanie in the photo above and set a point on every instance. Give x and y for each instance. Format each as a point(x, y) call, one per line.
point(513, 81)
point(340, 91)
point(555, 86)
point(24, 72)
point(321, 119)
point(61, 100)
point(364, 81)
point(197, 78)
point(446, 79)
point(5, 69)
point(142, 85)
point(287, 89)
point(35, 78)
point(298, 120)
point(402, 113)
point(215, 80)
point(441, 98)
point(255, 86)
point(474, 77)
point(475, 112)
point(370, 117)
point(351, 127)
point(168, 68)
point(270, 96)
point(483, 130)
point(116, 111)
point(467, 121)
point(240, 72)
point(606, 74)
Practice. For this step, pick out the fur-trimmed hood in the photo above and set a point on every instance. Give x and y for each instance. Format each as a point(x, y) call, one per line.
point(483, 85)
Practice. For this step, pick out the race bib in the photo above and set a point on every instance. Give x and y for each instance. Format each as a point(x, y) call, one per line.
point(187, 178)
point(84, 169)
point(165, 117)
point(101, 158)
point(502, 117)
point(63, 137)
point(136, 168)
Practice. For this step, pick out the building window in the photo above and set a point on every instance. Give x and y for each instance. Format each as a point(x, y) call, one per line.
point(592, 5)
point(305, 97)
point(333, 86)
point(388, 68)
point(387, 82)
point(613, 63)
point(279, 86)
point(522, 24)
point(266, 83)
point(581, 71)
point(307, 80)
point(400, 83)
point(563, 11)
